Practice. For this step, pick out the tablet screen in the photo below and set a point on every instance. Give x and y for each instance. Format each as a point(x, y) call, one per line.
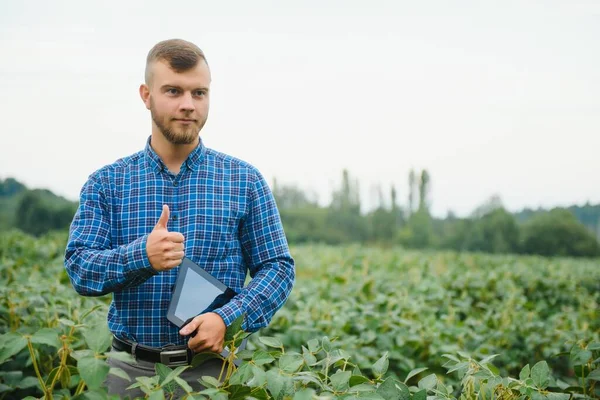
point(199, 296)
point(196, 292)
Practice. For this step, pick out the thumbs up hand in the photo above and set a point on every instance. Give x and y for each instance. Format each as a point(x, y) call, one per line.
point(164, 248)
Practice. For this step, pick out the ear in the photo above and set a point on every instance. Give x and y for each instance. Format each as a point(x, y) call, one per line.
point(145, 95)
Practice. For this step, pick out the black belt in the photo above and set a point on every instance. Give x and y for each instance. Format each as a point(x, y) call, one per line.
point(174, 355)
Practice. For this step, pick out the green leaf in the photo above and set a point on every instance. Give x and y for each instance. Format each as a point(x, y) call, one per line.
point(13, 344)
point(392, 389)
point(183, 384)
point(234, 328)
point(66, 322)
point(172, 375)
point(29, 382)
point(79, 354)
point(304, 394)
point(357, 380)
point(313, 345)
point(210, 382)
point(537, 396)
point(244, 354)
point(201, 358)
point(96, 307)
point(259, 377)
point(262, 357)
point(488, 359)
point(93, 371)
point(580, 356)
point(121, 356)
point(540, 373)
point(326, 344)
point(120, 373)
point(162, 371)
point(428, 382)
point(98, 394)
point(241, 375)
point(270, 341)
point(420, 395)
point(380, 367)
point(594, 375)
point(414, 372)
point(238, 392)
point(98, 337)
point(158, 395)
point(339, 380)
point(525, 372)
point(46, 336)
point(459, 367)
point(51, 376)
point(593, 346)
point(558, 396)
point(275, 384)
point(4, 388)
point(451, 357)
point(290, 363)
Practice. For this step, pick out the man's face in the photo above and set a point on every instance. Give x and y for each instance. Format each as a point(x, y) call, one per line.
point(178, 102)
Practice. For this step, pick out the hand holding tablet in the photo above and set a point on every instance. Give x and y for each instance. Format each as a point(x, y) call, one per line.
point(196, 292)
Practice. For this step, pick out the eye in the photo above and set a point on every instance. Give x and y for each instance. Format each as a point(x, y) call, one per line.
point(172, 91)
point(200, 93)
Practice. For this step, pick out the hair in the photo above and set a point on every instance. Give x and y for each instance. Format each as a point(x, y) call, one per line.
point(180, 54)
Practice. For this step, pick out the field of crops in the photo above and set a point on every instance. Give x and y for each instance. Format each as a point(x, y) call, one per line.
point(361, 323)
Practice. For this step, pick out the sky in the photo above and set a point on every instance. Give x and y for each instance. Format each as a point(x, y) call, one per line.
point(491, 98)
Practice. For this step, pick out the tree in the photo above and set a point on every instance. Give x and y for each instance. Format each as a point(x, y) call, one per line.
point(424, 190)
point(494, 232)
point(412, 180)
point(558, 233)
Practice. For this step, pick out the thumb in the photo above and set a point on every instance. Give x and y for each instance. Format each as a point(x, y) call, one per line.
point(164, 218)
point(192, 326)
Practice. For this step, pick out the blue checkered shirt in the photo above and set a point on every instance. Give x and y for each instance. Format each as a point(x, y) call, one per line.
point(231, 224)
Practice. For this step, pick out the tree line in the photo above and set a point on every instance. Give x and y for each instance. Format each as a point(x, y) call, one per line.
point(572, 231)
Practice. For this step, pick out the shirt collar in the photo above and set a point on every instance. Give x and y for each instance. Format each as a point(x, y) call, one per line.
point(192, 162)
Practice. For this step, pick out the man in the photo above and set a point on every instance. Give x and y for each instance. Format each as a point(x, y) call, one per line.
point(139, 216)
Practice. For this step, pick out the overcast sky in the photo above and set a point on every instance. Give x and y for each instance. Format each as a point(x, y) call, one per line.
point(497, 97)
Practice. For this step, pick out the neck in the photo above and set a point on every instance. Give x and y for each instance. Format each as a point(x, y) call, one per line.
point(173, 155)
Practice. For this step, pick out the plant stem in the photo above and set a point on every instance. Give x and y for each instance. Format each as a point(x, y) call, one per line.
point(80, 387)
point(63, 363)
point(47, 394)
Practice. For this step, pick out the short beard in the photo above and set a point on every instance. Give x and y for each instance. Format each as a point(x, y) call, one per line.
point(186, 137)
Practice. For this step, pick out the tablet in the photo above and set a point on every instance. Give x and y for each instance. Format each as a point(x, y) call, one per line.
point(196, 292)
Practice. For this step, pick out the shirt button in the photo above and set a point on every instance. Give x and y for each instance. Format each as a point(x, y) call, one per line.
point(174, 183)
point(174, 218)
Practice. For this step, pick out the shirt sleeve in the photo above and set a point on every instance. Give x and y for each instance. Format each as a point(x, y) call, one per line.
point(94, 266)
point(269, 261)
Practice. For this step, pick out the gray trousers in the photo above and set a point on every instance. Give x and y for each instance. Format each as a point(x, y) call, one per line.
point(117, 385)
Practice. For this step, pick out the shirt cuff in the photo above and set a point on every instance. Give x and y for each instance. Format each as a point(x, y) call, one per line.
point(229, 312)
point(136, 257)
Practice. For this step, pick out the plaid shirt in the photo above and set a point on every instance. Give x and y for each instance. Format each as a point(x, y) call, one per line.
point(231, 224)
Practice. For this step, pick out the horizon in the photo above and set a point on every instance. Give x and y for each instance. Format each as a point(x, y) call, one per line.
point(402, 206)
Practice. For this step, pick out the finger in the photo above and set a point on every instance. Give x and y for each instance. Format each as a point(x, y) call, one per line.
point(217, 348)
point(176, 256)
point(192, 326)
point(164, 218)
point(197, 345)
point(178, 247)
point(175, 237)
point(170, 264)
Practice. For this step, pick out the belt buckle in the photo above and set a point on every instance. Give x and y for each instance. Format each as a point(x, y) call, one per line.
point(165, 357)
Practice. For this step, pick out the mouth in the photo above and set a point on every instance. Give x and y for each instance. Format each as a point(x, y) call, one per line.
point(185, 121)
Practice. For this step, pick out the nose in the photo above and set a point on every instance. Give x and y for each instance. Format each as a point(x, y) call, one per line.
point(187, 102)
